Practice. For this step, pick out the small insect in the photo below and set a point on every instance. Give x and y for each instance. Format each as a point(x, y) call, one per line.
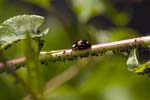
point(81, 44)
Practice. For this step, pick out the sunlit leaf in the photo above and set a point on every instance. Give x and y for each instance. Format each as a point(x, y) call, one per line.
point(143, 68)
point(15, 29)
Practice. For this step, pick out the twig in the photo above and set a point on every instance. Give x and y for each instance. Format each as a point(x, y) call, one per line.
point(58, 80)
point(10, 68)
point(69, 54)
point(61, 78)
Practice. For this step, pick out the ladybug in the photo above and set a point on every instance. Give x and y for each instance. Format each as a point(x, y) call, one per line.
point(81, 44)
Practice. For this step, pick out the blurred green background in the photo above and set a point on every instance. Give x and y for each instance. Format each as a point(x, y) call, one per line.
point(98, 78)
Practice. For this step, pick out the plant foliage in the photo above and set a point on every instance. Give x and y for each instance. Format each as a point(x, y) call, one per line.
point(16, 28)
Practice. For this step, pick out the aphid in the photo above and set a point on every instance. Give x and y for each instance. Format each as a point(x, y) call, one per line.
point(81, 44)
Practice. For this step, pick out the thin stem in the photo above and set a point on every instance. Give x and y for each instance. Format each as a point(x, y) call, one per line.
point(61, 78)
point(58, 80)
point(69, 54)
point(11, 69)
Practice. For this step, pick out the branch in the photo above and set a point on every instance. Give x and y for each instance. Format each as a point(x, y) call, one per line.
point(61, 79)
point(10, 69)
point(69, 54)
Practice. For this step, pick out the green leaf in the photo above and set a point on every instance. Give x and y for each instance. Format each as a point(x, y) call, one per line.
point(134, 64)
point(143, 68)
point(15, 29)
point(132, 61)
